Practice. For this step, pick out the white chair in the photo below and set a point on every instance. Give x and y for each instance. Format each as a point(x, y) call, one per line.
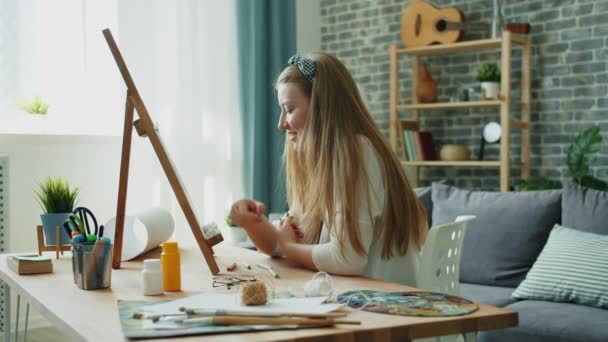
point(439, 267)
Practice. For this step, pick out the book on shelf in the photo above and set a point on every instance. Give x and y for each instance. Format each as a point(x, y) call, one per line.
point(426, 145)
point(409, 145)
point(418, 146)
point(30, 264)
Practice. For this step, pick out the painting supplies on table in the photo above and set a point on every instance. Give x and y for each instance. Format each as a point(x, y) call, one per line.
point(252, 320)
point(170, 263)
point(269, 269)
point(152, 278)
point(219, 312)
point(139, 320)
point(30, 264)
point(91, 258)
point(212, 313)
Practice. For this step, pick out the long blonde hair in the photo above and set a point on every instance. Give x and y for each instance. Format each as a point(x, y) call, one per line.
point(322, 171)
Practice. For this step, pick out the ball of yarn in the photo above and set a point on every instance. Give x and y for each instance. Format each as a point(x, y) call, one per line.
point(254, 293)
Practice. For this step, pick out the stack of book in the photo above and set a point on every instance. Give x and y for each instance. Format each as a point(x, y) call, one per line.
point(30, 264)
point(418, 146)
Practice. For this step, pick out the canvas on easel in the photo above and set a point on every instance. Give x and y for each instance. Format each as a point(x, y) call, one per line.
point(145, 128)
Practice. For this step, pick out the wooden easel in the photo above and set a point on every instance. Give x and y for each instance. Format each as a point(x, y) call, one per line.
point(57, 247)
point(145, 128)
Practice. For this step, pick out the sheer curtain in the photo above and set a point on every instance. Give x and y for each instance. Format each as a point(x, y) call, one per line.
point(182, 57)
point(53, 50)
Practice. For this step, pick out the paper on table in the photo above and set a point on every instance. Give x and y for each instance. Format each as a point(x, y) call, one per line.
point(222, 301)
point(142, 231)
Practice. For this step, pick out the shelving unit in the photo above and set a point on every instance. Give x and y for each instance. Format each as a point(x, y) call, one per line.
point(505, 43)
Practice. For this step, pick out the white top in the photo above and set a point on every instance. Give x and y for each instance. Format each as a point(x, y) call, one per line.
point(327, 257)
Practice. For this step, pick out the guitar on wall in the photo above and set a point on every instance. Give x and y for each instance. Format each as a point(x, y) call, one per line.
point(424, 24)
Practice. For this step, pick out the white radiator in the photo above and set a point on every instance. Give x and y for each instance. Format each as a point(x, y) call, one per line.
point(3, 223)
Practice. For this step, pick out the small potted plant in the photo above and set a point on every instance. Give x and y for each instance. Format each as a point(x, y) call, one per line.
point(35, 106)
point(238, 234)
point(57, 199)
point(489, 76)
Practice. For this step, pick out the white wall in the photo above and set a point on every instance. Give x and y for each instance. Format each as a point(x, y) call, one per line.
point(92, 163)
point(308, 26)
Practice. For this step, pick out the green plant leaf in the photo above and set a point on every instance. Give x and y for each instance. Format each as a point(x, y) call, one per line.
point(583, 152)
point(538, 183)
point(35, 106)
point(488, 72)
point(55, 196)
point(593, 183)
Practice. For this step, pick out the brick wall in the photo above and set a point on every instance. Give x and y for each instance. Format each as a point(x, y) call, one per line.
point(569, 76)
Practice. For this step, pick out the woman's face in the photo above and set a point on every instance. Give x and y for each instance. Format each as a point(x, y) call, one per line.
point(294, 110)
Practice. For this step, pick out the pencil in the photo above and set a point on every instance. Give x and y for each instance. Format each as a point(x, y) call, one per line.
point(269, 269)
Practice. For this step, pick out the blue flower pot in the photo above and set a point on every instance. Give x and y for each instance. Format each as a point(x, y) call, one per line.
point(49, 222)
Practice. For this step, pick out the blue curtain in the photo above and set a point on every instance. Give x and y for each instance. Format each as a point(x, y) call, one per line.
point(266, 39)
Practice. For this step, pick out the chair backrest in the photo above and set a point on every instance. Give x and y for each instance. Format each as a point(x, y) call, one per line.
point(439, 267)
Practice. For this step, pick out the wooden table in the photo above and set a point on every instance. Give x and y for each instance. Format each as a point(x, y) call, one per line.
point(93, 315)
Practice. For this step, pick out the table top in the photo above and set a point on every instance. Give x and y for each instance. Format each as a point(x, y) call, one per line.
point(93, 315)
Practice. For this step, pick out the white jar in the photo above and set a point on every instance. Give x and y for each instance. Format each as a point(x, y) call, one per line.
point(152, 278)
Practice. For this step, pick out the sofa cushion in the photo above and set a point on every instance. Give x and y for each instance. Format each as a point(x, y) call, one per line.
point(585, 209)
point(552, 322)
point(486, 294)
point(503, 242)
point(573, 267)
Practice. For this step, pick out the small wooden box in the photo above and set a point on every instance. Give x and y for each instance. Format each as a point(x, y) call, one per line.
point(29, 267)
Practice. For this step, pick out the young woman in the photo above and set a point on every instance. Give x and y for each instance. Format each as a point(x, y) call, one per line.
point(352, 210)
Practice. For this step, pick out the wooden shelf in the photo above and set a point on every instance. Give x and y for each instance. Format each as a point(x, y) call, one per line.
point(446, 105)
point(466, 46)
point(505, 45)
point(471, 163)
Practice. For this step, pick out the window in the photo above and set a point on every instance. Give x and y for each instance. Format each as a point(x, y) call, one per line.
point(55, 50)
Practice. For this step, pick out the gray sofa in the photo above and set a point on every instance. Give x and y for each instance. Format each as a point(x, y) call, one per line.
point(502, 244)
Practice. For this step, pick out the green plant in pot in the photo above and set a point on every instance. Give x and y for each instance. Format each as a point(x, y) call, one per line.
point(489, 76)
point(582, 153)
point(238, 234)
point(57, 199)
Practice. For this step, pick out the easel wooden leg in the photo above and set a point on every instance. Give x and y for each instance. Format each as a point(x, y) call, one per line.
point(123, 182)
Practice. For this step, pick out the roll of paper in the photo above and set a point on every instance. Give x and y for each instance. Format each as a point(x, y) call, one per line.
point(143, 231)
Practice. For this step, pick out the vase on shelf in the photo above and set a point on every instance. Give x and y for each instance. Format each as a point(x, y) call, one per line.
point(426, 90)
point(497, 20)
point(490, 90)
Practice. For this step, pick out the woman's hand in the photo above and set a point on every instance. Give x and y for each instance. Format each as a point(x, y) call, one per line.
point(245, 212)
point(289, 231)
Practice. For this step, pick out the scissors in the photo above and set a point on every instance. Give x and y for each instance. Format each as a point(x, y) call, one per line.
point(80, 221)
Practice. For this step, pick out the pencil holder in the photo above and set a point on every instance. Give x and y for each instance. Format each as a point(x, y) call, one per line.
point(92, 265)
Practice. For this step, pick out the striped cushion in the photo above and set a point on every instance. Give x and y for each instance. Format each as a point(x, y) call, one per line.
point(573, 267)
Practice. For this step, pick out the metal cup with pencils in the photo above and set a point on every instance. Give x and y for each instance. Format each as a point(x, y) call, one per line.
point(91, 251)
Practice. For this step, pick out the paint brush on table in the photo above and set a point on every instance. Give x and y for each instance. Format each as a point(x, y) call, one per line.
point(251, 320)
point(214, 312)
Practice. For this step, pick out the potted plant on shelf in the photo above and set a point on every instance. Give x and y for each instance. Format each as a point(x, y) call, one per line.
point(489, 76)
point(57, 199)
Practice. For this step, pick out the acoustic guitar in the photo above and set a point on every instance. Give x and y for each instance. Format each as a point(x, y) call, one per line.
point(424, 24)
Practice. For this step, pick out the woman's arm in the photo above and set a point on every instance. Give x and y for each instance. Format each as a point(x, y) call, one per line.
point(263, 234)
point(294, 251)
point(247, 214)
